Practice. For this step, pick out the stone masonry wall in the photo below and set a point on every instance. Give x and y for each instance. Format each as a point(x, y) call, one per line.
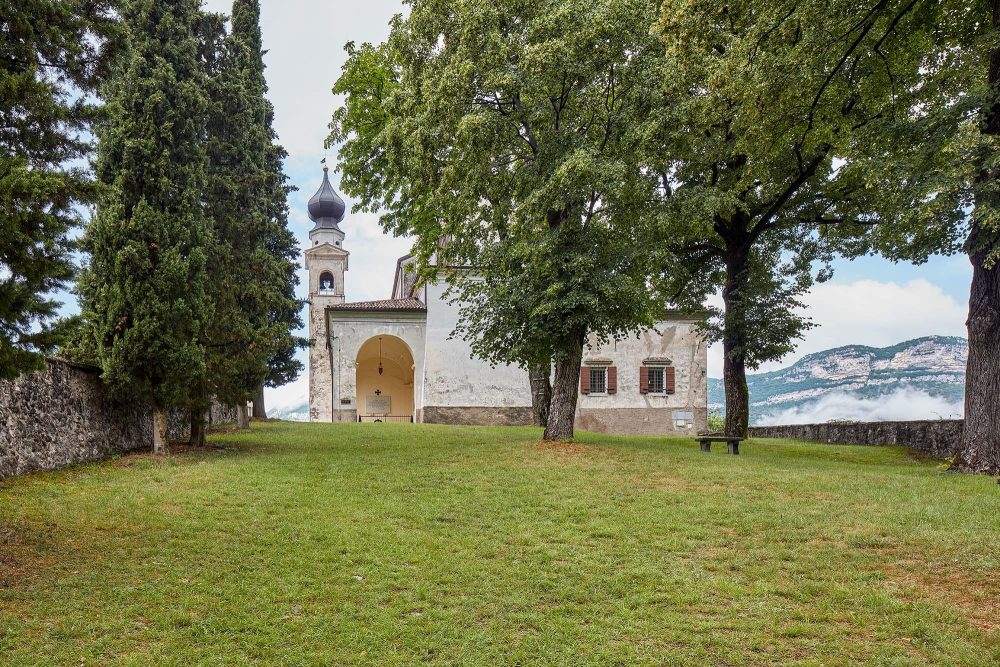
point(476, 415)
point(64, 415)
point(938, 438)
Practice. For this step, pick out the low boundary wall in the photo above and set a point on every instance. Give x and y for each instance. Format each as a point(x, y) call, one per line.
point(938, 438)
point(64, 415)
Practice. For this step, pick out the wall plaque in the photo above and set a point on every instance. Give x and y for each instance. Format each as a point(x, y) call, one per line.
point(378, 405)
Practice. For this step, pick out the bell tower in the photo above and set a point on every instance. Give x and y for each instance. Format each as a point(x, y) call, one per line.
point(326, 261)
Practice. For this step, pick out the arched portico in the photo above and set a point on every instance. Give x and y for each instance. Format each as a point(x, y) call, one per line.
point(384, 377)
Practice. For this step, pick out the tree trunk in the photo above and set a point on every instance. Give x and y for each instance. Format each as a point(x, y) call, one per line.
point(259, 411)
point(980, 447)
point(734, 344)
point(197, 435)
point(242, 416)
point(541, 391)
point(562, 409)
point(161, 433)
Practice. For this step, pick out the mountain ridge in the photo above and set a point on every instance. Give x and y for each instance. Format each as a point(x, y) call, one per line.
point(929, 365)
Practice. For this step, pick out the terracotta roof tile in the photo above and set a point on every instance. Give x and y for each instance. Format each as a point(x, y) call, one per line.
point(385, 305)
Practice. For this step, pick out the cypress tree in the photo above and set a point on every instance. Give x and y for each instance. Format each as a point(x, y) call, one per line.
point(251, 268)
point(50, 52)
point(280, 315)
point(145, 291)
point(229, 337)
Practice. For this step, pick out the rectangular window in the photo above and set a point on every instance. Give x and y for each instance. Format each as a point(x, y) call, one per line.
point(598, 380)
point(655, 376)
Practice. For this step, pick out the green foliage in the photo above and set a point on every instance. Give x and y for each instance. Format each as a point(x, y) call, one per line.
point(928, 164)
point(716, 422)
point(252, 263)
point(761, 111)
point(481, 547)
point(769, 108)
point(53, 54)
point(283, 312)
point(506, 135)
point(146, 292)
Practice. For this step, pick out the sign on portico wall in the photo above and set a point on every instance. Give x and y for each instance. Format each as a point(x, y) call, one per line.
point(379, 405)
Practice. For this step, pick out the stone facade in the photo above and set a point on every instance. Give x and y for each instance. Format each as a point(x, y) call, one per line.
point(451, 386)
point(350, 331)
point(640, 421)
point(323, 258)
point(674, 342)
point(482, 416)
point(938, 438)
point(64, 415)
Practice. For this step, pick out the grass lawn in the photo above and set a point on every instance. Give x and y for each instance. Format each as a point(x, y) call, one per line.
point(380, 544)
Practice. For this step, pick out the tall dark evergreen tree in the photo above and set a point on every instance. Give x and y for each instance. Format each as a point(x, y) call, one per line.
point(279, 250)
point(251, 266)
point(50, 52)
point(145, 292)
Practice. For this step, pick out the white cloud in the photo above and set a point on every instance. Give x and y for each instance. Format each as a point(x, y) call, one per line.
point(288, 396)
point(903, 404)
point(868, 312)
point(305, 40)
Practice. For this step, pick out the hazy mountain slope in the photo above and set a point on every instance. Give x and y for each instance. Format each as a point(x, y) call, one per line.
point(932, 366)
point(294, 413)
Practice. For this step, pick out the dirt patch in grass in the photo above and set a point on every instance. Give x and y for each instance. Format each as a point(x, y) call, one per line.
point(21, 552)
point(567, 447)
point(975, 594)
point(136, 458)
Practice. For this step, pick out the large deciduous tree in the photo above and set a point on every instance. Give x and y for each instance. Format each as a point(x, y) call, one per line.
point(145, 291)
point(980, 450)
point(768, 104)
point(53, 55)
point(507, 135)
point(939, 168)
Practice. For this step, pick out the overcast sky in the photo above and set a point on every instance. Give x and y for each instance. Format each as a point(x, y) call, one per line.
point(870, 301)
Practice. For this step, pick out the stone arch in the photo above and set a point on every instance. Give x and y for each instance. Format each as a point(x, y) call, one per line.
point(327, 283)
point(389, 395)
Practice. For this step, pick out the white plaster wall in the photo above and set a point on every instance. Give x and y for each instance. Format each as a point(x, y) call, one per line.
point(677, 340)
point(452, 376)
point(350, 330)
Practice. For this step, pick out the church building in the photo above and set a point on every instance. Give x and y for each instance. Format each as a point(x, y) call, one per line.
point(394, 360)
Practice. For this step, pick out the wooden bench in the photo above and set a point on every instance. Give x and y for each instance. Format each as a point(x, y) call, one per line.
point(706, 442)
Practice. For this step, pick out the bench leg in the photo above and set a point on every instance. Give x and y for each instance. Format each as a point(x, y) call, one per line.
point(734, 447)
point(706, 446)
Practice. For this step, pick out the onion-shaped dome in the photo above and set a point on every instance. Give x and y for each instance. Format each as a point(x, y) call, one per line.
point(326, 208)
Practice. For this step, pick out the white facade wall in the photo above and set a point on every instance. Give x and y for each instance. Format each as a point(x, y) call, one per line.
point(677, 341)
point(450, 385)
point(453, 377)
